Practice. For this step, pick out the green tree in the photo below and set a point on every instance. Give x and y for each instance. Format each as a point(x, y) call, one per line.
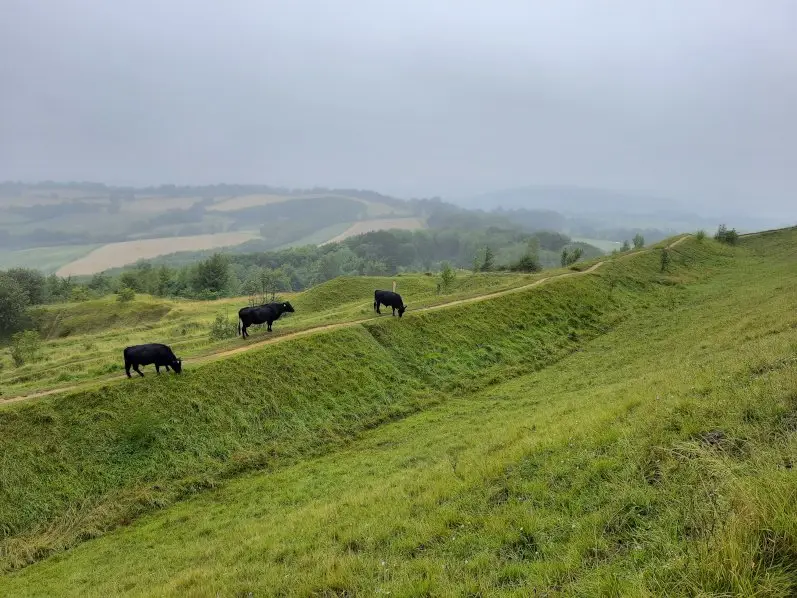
point(571, 256)
point(639, 241)
point(125, 294)
point(212, 275)
point(222, 328)
point(25, 347)
point(447, 276)
point(79, 293)
point(13, 306)
point(489, 260)
point(625, 247)
point(665, 258)
point(129, 280)
point(32, 282)
point(164, 280)
point(723, 235)
point(100, 284)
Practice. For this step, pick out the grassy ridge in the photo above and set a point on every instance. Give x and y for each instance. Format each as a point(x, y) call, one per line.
point(85, 339)
point(656, 459)
point(102, 457)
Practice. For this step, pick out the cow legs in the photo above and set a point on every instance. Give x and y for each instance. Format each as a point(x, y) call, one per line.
point(127, 369)
point(167, 368)
point(377, 308)
point(394, 312)
point(243, 332)
point(140, 373)
point(157, 369)
point(269, 326)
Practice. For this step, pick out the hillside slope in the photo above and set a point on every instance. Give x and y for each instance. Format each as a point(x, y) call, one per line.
point(624, 432)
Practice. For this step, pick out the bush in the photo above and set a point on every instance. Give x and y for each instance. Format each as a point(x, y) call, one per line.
point(25, 347)
point(700, 235)
point(639, 241)
point(13, 306)
point(223, 328)
point(723, 235)
point(625, 247)
point(79, 294)
point(528, 263)
point(447, 276)
point(125, 294)
point(665, 258)
point(571, 256)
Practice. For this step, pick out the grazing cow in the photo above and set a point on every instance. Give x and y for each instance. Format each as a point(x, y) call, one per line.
point(389, 299)
point(261, 313)
point(160, 355)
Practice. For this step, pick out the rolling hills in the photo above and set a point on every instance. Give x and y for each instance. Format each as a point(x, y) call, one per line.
point(626, 431)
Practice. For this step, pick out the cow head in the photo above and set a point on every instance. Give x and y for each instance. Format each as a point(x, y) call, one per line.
point(287, 307)
point(401, 310)
point(177, 365)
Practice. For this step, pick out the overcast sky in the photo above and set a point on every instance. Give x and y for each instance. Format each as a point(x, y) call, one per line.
point(695, 99)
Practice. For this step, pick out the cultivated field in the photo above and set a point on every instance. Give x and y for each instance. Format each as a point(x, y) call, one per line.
point(367, 226)
point(46, 259)
point(114, 255)
point(374, 209)
point(628, 430)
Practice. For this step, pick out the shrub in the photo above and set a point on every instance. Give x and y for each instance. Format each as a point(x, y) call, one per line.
point(447, 276)
point(665, 259)
point(571, 256)
point(700, 235)
point(528, 263)
point(625, 247)
point(25, 347)
point(79, 293)
point(223, 328)
point(723, 235)
point(125, 294)
point(639, 241)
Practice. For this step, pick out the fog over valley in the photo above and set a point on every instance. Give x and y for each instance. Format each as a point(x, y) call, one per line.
point(690, 102)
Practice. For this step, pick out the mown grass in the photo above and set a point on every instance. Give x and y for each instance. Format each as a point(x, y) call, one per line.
point(84, 341)
point(654, 458)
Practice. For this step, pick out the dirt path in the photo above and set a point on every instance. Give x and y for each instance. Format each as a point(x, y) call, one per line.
point(329, 327)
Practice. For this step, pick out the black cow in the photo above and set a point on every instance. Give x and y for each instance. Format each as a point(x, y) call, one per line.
point(261, 313)
point(160, 355)
point(389, 299)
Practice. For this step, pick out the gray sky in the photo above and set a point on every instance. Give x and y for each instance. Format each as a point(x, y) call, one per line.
point(690, 98)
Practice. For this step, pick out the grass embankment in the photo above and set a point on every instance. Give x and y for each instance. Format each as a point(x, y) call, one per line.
point(78, 465)
point(84, 341)
point(655, 459)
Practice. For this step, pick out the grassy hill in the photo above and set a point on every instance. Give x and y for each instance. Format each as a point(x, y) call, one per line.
point(623, 432)
point(84, 340)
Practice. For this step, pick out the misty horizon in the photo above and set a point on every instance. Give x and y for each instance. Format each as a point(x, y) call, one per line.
point(692, 102)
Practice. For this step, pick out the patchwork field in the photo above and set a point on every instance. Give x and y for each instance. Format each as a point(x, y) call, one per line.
point(373, 209)
point(367, 226)
point(46, 259)
point(114, 255)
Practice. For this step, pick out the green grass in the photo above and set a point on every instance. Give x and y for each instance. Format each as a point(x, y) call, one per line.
point(46, 259)
point(84, 340)
point(628, 432)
